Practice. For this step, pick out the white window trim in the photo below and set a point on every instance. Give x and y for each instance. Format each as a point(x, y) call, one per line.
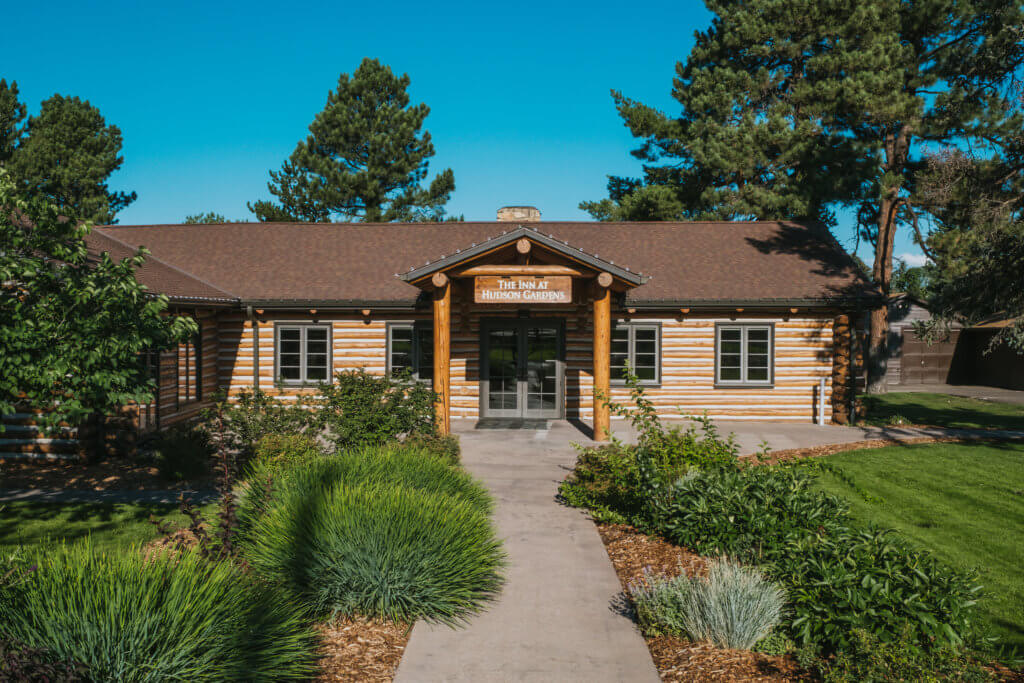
point(413, 325)
point(745, 329)
point(632, 326)
point(303, 327)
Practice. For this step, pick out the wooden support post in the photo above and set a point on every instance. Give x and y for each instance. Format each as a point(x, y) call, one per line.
point(442, 351)
point(602, 359)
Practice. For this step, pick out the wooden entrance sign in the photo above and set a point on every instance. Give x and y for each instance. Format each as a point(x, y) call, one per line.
point(523, 289)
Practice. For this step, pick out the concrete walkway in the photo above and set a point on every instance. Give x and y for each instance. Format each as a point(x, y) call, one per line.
point(555, 619)
point(997, 394)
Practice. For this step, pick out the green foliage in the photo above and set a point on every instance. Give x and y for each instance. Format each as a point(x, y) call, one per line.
point(446, 447)
point(776, 644)
point(66, 156)
point(360, 409)
point(379, 533)
point(255, 415)
point(12, 116)
point(365, 158)
point(182, 454)
point(868, 659)
point(208, 217)
point(732, 607)
point(166, 617)
point(73, 325)
point(275, 452)
point(838, 577)
point(616, 481)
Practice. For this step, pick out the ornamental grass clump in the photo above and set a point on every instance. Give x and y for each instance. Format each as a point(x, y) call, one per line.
point(733, 606)
point(379, 549)
point(171, 616)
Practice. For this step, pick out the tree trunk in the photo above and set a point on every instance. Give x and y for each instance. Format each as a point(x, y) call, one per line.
point(896, 147)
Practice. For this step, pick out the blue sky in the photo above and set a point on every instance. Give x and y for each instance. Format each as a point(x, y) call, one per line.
point(210, 96)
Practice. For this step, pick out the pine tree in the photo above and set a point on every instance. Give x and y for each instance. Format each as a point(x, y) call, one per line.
point(208, 217)
point(66, 158)
point(364, 160)
point(793, 109)
point(12, 114)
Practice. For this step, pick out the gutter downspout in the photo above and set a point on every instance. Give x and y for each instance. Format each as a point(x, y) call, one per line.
point(255, 325)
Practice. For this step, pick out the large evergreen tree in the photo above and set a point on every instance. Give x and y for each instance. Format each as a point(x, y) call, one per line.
point(66, 156)
point(365, 159)
point(12, 116)
point(793, 109)
point(73, 325)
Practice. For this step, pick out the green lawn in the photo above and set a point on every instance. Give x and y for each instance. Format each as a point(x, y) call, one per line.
point(964, 502)
point(942, 410)
point(111, 525)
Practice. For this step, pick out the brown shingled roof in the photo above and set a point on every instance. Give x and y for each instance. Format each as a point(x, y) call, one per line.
point(358, 262)
point(159, 277)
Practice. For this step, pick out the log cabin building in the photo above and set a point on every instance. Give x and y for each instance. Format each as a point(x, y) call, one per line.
point(511, 319)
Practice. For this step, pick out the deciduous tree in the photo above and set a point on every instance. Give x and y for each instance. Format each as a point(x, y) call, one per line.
point(366, 158)
point(73, 325)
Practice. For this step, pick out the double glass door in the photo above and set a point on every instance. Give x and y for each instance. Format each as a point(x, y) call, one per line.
point(523, 368)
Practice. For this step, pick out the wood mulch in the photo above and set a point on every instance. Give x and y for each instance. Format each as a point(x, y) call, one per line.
point(113, 474)
point(679, 660)
point(362, 650)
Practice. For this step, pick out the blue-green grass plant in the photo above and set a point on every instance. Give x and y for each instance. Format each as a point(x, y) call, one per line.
point(166, 617)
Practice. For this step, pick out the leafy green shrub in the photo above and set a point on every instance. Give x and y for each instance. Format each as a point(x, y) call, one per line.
point(744, 513)
point(379, 550)
point(838, 577)
point(617, 482)
point(279, 451)
point(254, 415)
point(776, 643)
point(182, 453)
point(360, 409)
point(732, 606)
point(446, 447)
point(866, 658)
point(166, 617)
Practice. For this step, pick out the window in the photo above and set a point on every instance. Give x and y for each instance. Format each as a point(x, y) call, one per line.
point(744, 354)
point(411, 347)
point(639, 345)
point(190, 370)
point(303, 354)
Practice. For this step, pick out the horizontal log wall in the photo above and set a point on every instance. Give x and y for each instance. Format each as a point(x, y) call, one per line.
point(174, 404)
point(803, 355)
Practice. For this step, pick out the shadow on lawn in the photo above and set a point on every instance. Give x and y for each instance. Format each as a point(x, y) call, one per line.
point(22, 523)
point(928, 411)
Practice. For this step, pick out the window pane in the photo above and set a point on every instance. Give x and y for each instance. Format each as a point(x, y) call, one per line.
point(759, 347)
point(400, 353)
point(425, 346)
point(729, 374)
point(757, 334)
point(731, 334)
point(289, 372)
point(757, 374)
point(646, 373)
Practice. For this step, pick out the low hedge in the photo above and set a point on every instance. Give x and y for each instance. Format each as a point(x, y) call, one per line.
point(125, 617)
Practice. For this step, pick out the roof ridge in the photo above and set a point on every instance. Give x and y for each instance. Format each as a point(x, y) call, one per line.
point(356, 224)
point(173, 267)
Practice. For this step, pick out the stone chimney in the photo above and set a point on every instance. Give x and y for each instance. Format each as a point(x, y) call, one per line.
point(518, 214)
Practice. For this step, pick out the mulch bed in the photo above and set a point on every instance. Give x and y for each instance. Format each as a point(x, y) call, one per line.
point(362, 650)
point(113, 474)
point(679, 660)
